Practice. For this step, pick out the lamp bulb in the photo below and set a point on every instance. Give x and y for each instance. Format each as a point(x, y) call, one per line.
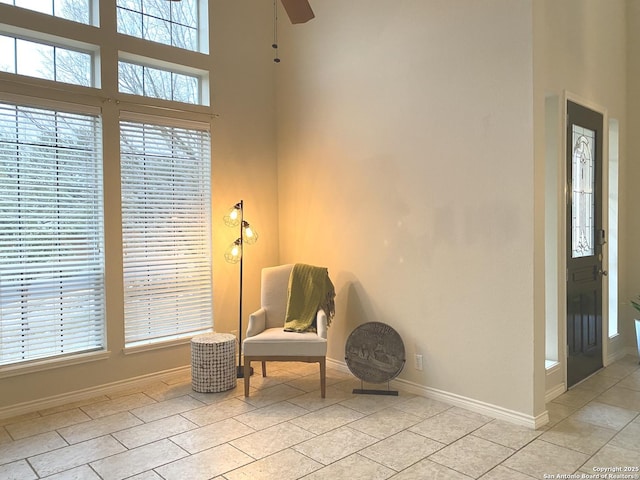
point(249, 235)
point(232, 218)
point(233, 254)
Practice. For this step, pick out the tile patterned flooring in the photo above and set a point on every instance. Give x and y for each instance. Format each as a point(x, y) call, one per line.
point(285, 431)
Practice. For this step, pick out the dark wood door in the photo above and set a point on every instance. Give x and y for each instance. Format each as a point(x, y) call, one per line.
point(585, 238)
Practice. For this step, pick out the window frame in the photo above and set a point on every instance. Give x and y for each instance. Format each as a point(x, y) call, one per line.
point(91, 7)
point(108, 46)
point(145, 280)
point(201, 29)
point(201, 76)
point(55, 43)
point(95, 351)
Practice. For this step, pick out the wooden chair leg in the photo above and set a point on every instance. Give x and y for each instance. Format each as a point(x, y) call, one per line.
point(323, 377)
point(247, 375)
point(264, 368)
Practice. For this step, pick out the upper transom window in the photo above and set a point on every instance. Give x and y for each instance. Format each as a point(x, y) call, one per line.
point(49, 62)
point(162, 21)
point(75, 10)
point(148, 81)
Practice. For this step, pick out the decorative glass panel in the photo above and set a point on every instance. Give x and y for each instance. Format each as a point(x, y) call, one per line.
point(582, 195)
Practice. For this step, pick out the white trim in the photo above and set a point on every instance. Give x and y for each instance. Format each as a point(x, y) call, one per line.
point(12, 370)
point(620, 354)
point(477, 406)
point(554, 382)
point(147, 345)
point(551, 365)
point(454, 399)
point(633, 351)
point(553, 199)
point(562, 241)
point(165, 65)
point(167, 121)
point(86, 393)
point(555, 392)
point(553, 368)
point(616, 349)
point(39, 102)
point(45, 38)
point(612, 227)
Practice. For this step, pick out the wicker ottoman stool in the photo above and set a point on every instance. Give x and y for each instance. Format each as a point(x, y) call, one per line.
point(213, 358)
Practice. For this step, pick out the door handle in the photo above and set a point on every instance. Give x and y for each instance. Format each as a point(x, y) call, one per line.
point(602, 272)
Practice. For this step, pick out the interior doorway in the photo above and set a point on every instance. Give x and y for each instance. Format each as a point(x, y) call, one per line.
point(585, 240)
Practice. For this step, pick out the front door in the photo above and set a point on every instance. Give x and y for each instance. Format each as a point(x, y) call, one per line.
point(585, 239)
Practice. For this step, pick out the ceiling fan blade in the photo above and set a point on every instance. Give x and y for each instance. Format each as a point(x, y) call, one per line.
point(299, 11)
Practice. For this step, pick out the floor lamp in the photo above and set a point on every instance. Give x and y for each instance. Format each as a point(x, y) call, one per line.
point(235, 254)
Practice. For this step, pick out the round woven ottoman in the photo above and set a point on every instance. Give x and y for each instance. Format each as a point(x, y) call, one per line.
point(213, 357)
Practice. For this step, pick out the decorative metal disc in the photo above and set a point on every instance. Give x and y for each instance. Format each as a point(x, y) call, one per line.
point(375, 352)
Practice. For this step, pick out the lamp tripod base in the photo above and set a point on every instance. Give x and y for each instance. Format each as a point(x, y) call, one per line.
point(240, 371)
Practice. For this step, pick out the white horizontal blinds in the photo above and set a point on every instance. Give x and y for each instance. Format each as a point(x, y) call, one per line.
point(165, 175)
point(51, 234)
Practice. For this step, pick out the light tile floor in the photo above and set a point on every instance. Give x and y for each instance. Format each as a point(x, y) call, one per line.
point(285, 431)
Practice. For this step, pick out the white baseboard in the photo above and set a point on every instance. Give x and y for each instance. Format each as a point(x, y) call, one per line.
point(633, 351)
point(621, 353)
point(560, 388)
point(477, 406)
point(554, 376)
point(555, 392)
point(86, 393)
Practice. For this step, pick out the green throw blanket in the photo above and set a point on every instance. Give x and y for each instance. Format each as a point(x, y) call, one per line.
point(310, 289)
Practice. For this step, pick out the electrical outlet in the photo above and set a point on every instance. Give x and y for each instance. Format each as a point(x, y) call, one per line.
point(418, 361)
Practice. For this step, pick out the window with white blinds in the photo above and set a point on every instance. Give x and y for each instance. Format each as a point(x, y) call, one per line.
point(165, 172)
point(51, 234)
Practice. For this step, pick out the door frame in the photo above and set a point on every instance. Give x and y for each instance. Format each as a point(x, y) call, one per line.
point(562, 230)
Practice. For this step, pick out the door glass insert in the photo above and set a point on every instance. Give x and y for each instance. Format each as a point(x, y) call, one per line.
point(582, 195)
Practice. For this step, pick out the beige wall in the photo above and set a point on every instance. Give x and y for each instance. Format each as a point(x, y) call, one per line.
point(244, 167)
point(630, 178)
point(243, 149)
point(405, 136)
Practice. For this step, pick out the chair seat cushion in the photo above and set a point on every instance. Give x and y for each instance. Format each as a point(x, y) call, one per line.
point(277, 342)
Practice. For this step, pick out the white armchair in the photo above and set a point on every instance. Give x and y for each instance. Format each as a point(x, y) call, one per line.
point(266, 339)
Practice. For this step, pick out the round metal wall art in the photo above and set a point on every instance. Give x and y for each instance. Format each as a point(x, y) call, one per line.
point(375, 352)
